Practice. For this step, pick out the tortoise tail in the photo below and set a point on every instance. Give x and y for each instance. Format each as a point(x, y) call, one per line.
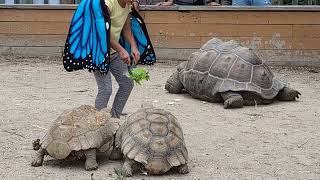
point(36, 144)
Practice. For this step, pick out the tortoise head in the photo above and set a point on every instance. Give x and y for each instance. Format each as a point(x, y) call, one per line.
point(36, 144)
point(181, 66)
point(157, 166)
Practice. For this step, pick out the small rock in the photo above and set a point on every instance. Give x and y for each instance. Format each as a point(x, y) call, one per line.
point(313, 71)
point(170, 103)
point(83, 90)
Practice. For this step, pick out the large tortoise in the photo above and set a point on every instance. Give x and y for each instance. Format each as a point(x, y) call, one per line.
point(151, 139)
point(79, 132)
point(227, 72)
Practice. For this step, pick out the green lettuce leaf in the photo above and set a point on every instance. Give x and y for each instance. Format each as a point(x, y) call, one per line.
point(138, 74)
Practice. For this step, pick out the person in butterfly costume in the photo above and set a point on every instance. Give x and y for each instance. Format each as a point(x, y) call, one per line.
point(107, 36)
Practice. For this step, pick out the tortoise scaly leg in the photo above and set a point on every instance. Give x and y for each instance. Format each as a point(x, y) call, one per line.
point(288, 94)
point(91, 162)
point(128, 167)
point(115, 154)
point(232, 100)
point(37, 158)
point(183, 169)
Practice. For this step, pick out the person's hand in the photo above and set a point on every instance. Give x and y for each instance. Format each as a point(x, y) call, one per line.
point(164, 4)
point(213, 4)
point(124, 56)
point(135, 54)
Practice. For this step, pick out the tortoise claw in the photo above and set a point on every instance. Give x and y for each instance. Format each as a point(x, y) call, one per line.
point(296, 94)
point(299, 94)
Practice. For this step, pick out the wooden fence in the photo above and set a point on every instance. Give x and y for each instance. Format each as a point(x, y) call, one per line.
point(281, 36)
point(151, 2)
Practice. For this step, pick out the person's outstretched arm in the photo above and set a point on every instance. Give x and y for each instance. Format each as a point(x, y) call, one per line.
point(124, 55)
point(127, 33)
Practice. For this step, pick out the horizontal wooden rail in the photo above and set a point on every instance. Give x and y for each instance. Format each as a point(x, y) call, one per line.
point(281, 35)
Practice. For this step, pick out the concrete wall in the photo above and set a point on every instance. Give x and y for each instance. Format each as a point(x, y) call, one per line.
point(287, 36)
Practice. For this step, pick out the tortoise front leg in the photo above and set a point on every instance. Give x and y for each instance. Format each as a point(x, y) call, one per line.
point(128, 167)
point(183, 169)
point(232, 100)
point(37, 158)
point(91, 162)
point(116, 154)
point(288, 94)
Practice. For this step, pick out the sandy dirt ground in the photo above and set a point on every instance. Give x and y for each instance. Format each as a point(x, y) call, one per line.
point(278, 141)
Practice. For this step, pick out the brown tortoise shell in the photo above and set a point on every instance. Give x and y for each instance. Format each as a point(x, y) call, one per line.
point(154, 138)
point(80, 129)
point(226, 66)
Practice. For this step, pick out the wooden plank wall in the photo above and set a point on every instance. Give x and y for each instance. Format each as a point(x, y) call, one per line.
point(280, 37)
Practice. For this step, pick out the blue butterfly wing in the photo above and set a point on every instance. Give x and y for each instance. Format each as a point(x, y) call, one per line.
point(140, 33)
point(88, 44)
